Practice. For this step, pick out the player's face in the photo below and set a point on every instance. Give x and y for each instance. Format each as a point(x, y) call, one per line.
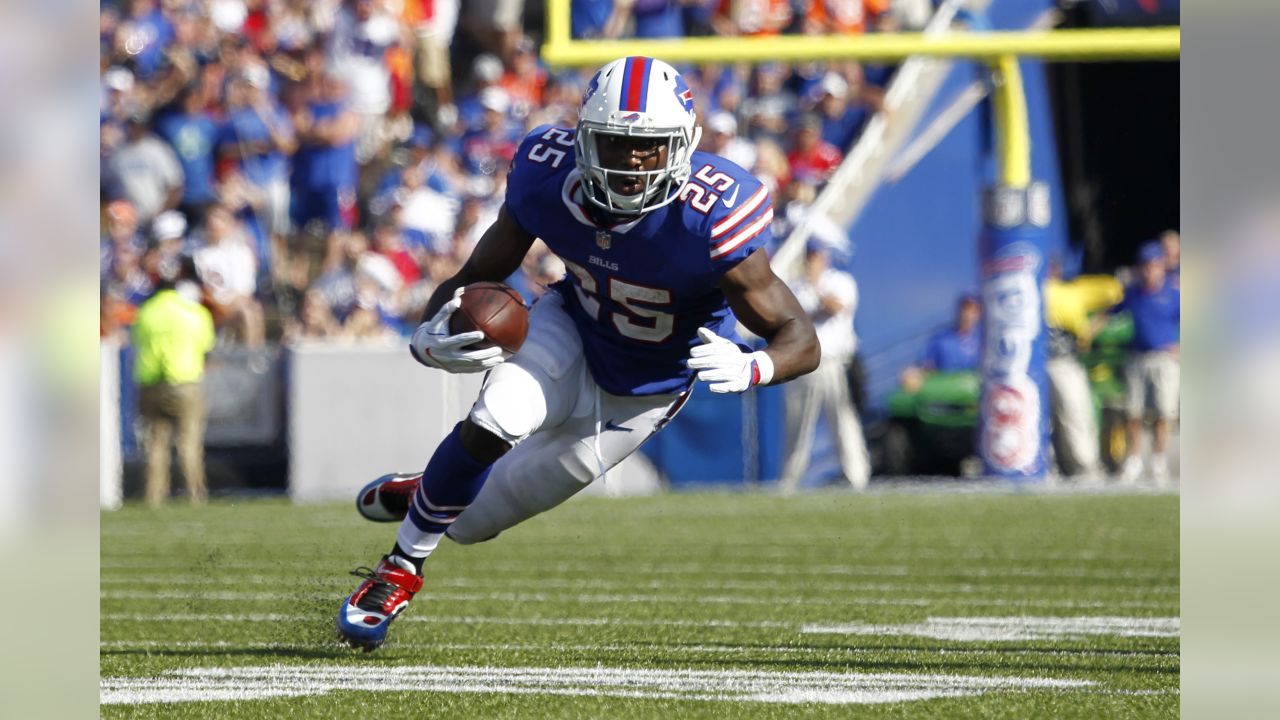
point(631, 152)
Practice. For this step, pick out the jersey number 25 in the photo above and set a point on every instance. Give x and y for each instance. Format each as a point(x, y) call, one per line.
point(654, 326)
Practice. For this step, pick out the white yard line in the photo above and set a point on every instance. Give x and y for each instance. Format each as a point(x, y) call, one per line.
point(1000, 629)
point(248, 683)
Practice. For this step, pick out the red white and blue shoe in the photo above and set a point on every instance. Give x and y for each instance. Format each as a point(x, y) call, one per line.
point(387, 498)
point(386, 591)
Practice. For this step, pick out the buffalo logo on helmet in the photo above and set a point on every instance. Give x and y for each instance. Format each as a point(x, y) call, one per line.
point(591, 87)
point(684, 94)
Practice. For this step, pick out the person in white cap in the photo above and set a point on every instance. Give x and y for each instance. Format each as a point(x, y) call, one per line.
point(722, 139)
point(843, 110)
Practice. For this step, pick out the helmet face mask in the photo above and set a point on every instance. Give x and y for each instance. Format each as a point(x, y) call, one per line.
point(635, 109)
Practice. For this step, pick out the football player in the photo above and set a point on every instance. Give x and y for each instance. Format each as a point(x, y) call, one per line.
point(663, 247)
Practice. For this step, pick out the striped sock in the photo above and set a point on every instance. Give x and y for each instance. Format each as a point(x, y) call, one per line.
point(450, 483)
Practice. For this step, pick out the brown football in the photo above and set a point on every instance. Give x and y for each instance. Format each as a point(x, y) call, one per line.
point(495, 309)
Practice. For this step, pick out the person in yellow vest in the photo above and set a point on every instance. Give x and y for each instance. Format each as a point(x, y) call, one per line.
point(1068, 305)
point(171, 335)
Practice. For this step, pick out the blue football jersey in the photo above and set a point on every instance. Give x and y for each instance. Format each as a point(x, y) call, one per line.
point(639, 291)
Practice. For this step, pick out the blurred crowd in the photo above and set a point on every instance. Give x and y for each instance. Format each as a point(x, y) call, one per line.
point(326, 163)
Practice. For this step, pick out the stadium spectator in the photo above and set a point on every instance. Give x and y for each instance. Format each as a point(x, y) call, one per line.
point(122, 229)
point(323, 182)
point(1070, 308)
point(956, 348)
point(830, 298)
point(257, 138)
point(171, 336)
point(655, 18)
point(168, 242)
point(494, 25)
point(525, 81)
point(362, 36)
point(722, 139)
point(433, 23)
point(192, 133)
point(119, 101)
point(144, 170)
point(813, 157)
point(315, 320)
point(844, 109)
point(761, 18)
point(771, 166)
point(389, 243)
point(486, 72)
point(842, 17)
point(598, 19)
point(143, 36)
point(337, 283)
point(1153, 373)
point(489, 146)
point(228, 270)
point(770, 103)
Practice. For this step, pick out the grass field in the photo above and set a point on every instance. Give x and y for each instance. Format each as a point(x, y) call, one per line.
point(888, 605)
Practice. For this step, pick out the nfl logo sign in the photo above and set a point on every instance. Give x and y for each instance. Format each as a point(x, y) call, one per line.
point(604, 239)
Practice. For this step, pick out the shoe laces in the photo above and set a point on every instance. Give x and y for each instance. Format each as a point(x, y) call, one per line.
point(376, 597)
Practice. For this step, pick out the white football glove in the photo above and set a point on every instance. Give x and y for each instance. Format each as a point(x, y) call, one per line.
point(433, 346)
point(726, 366)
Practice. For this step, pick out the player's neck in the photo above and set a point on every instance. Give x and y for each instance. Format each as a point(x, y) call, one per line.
point(603, 218)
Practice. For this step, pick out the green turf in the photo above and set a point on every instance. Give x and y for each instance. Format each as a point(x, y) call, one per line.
point(650, 572)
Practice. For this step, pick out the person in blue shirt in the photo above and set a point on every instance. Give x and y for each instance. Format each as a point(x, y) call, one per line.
point(664, 252)
point(323, 183)
point(192, 133)
point(956, 348)
point(258, 137)
point(1153, 373)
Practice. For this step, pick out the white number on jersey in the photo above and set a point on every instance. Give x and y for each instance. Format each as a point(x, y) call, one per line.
point(541, 153)
point(702, 197)
point(626, 294)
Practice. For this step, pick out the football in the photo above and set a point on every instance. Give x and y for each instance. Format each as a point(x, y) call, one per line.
point(497, 310)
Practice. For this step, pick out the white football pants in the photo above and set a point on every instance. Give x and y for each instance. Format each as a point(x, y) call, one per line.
point(566, 430)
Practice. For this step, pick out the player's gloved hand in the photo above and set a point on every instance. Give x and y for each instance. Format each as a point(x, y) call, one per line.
point(434, 346)
point(728, 368)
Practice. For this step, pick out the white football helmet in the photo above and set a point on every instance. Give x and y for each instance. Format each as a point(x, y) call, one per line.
point(636, 96)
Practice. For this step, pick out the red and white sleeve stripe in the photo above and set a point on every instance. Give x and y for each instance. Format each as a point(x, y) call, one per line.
point(732, 221)
point(744, 234)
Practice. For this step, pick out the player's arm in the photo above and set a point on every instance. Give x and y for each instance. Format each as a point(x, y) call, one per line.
point(498, 253)
point(766, 306)
point(495, 257)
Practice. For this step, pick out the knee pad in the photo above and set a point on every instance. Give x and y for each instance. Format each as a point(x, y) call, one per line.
point(511, 405)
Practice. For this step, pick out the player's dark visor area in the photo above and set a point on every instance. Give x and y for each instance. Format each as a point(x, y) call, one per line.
point(629, 152)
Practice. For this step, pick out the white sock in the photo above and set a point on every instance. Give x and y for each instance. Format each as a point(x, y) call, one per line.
point(415, 542)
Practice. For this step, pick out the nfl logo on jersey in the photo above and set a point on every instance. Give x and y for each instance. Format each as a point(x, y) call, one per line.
point(604, 239)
